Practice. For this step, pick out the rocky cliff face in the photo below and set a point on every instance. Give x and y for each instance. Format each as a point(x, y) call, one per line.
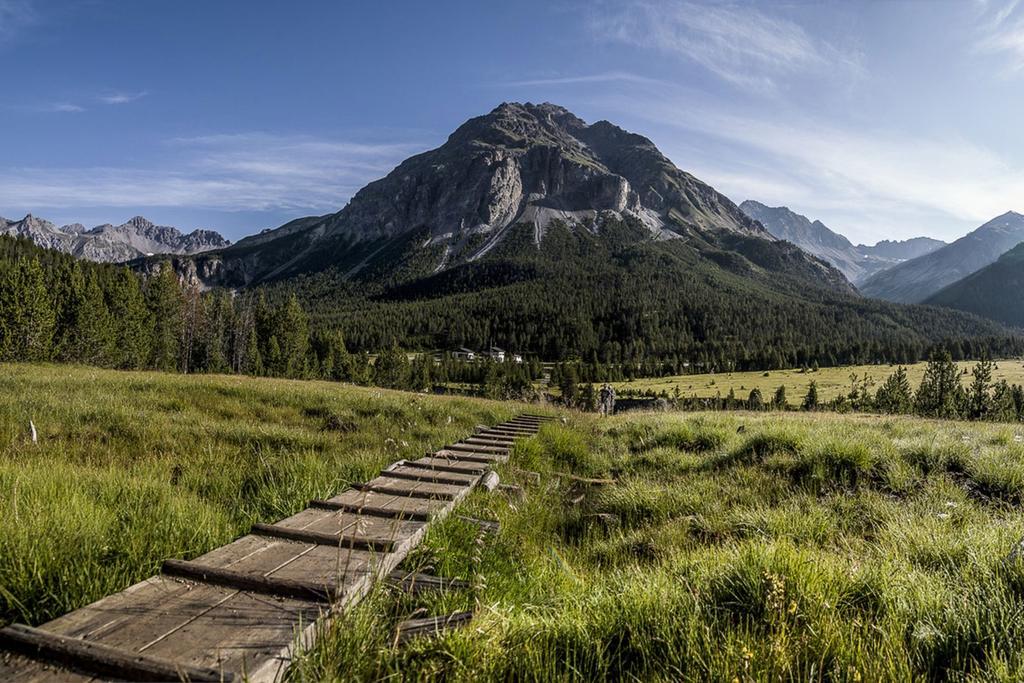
point(519, 165)
point(857, 263)
point(113, 243)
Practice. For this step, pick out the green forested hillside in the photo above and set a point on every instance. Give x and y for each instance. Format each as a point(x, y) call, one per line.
point(619, 297)
point(993, 292)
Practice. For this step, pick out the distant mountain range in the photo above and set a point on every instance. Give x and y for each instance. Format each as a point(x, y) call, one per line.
point(112, 243)
point(536, 231)
point(857, 263)
point(918, 279)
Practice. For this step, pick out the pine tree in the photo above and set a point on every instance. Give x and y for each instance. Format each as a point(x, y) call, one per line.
point(895, 395)
point(30, 314)
point(779, 399)
point(755, 401)
point(130, 320)
point(292, 331)
point(165, 303)
point(392, 368)
point(940, 394)
point(810, 401)
point(978, 399)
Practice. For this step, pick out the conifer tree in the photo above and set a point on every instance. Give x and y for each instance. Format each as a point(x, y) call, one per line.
point(292, 332)
point(978, 399)
point(895, 395)
point(31, 324)
point(779, 399)
point(940, 394)
point(755, 401)
point(130, 321)
point(392, 368)
point(810, 401)
point(165, 303)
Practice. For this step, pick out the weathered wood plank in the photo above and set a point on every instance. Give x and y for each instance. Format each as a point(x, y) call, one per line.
point(430, 626)
point(373, 511)
point(420, 474)
point(446, 465)
point(320, 538)
point(243, 581)
point(416, 582)
point(101, 659)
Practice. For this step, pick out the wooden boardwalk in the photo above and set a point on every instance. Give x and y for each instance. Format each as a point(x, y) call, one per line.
point(239, 611)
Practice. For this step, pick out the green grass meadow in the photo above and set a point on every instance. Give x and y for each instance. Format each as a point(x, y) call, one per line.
point(831, 382)
point(724, 547)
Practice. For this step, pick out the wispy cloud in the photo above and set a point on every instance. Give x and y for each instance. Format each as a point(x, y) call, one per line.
point(15, 15)
point(243, 172)
point(62, 107)
point(122, 97)
point(874, 182)
point(606, 77)
point(1001, 31)
point(738, 43)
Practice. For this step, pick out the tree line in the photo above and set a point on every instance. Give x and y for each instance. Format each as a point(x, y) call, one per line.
point(941, 394)
point(54, 307)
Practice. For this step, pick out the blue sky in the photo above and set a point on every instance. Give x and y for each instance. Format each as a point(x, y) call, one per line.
point(882, 119)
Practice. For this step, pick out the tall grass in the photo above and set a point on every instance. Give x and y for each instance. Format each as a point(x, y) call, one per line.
point(800, 547)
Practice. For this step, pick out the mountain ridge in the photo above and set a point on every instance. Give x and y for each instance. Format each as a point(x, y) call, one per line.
point(992, 292)
point(857, 263)
point(916, 280)
point(109, 243)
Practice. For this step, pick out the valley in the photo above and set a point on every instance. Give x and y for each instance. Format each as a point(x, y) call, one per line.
point(778, 542)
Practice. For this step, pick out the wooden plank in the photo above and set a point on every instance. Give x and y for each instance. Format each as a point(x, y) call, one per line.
point(486, 441)
point(387, 500)
point(420, 474)
point(18, 668)
point(320, 538)
point(462, 456)
point(246, 633)
point(285, 588)
point(386, 512)
point(477, 448)
point(416, 582)
point(430, 626)
point(417, 489)
point(101, 659)
point(446, 465)
point(483, 524)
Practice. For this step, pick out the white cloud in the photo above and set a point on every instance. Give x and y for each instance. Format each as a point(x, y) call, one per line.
point(737, 43)
point(1001, 31)
point(122, 97)
point(63, 107)
point(244, 172)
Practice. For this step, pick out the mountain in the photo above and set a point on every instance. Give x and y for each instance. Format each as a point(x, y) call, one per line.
point(992, 292)
point(915, 280)
point(533, 230)
point(903, 250)
point(857, 263)
point(112, 243)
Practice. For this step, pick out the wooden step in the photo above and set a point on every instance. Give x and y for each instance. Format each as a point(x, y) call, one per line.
point(420, 474)
point(430, 626)
point(372, 511)
point(435, 464)
point(318, 538)
point(256, 583)
point(101, 659)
